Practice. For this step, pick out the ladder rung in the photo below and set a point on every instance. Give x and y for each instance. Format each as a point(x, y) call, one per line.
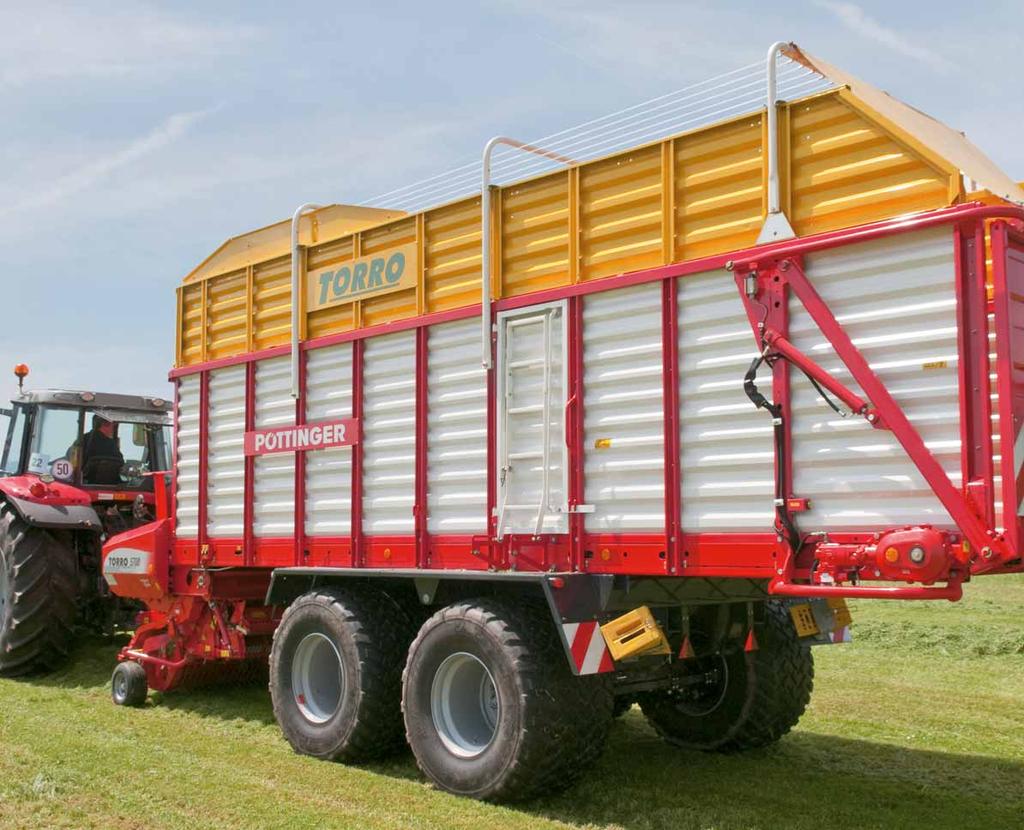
point(525, 410)
point(535, 363)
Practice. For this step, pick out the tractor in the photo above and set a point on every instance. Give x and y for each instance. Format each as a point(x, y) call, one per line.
point(75, 468)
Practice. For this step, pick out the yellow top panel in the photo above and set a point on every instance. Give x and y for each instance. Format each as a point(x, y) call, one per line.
point(842, 163)
point(328, 222)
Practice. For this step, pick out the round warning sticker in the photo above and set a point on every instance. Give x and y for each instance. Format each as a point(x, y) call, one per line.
point(62, 469)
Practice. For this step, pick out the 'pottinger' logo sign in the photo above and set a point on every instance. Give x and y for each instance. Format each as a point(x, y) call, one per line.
point(319, 436)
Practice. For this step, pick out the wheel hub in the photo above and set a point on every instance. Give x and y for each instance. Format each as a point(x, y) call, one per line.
point(464, 705)
point(318, 678)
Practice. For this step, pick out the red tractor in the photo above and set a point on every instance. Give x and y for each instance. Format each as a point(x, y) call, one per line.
point(75, 468)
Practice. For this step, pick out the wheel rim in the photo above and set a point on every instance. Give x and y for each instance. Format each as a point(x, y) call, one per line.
point(704, 697)
point(318, 678)
point(120, 686)
point(464, 704)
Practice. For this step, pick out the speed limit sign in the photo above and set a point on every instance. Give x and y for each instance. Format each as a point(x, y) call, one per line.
point(62, 469)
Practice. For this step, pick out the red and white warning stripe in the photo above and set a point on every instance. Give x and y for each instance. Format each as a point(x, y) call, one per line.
point(587, 646)
point(841, 635)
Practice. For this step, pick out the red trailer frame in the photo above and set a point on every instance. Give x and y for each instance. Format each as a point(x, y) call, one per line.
point(740, 555)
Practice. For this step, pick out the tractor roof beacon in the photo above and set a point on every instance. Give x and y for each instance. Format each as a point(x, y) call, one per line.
point(496, 466)
point(75, 468)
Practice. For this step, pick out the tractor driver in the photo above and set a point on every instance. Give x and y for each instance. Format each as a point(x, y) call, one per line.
point(97, 453)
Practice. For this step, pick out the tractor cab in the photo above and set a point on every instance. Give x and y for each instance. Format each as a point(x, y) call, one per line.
point(65, 448)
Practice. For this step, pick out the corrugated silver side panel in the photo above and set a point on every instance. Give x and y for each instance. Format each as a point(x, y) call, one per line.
point(329, 472)
point(186, 478)
point(623, 394)
point(389, 434)
point(225, 476)
point(727, 450)
point(274, 485)
point(456, 430)
point(896, 298)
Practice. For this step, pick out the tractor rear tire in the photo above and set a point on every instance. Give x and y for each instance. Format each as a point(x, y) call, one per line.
point(755, 699)
point(336, 674)
point(128, 686)
point(38, 592)
point(492, 710)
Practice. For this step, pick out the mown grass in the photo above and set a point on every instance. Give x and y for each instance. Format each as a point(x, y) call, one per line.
point(918, 723)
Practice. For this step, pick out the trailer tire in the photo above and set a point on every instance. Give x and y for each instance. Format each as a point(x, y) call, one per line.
point(128, 686)
point(38, 593)
point(760, 697)
point(784, 679)
point(492, 710)
point(336, 671)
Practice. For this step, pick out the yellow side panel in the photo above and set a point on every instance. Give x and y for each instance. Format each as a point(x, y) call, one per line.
point(452, 255)
point(334, 318)
point(845, 170)
point(719, 201)
point(620, 214)
point(226, 315)
point(535, 235)
point(191, 324)
point(400, 304)
point(272, 303)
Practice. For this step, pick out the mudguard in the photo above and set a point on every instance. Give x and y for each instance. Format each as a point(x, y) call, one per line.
point(72, 517)
point(63, 506)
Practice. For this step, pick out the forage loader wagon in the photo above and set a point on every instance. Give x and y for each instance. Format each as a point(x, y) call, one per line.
point(632, 429)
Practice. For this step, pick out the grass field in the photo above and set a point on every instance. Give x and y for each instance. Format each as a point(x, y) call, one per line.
point(918, 723)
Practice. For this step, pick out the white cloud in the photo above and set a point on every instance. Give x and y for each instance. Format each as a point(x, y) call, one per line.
point(47, 41)
point(854, 18)
point(95, 170)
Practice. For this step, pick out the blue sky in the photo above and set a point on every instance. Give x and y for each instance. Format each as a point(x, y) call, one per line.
point(136, 137)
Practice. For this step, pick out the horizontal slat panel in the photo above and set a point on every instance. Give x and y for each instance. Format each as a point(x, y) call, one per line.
point(329, 472)
point(187, 463)
point(225, 478)
point(389, 434)
point(727, 450)
point(896, 298)
point(624, 440)
point(274, 485)
point(456, 430)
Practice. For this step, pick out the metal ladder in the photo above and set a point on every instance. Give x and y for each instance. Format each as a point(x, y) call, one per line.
point(509, 369)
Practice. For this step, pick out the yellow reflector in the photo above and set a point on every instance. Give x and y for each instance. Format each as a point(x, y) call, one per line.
point(841, 611)
point(634, 633)
point(803, 619)
point(603, 444)
point(891, 554)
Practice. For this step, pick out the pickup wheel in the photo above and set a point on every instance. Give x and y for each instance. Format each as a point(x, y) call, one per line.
point(336, 672)
point(492, 710)
point(128, 686)
point(738, 700)
point(38, 592)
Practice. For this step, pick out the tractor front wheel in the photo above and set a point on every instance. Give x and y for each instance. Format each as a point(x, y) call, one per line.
point(38, 591)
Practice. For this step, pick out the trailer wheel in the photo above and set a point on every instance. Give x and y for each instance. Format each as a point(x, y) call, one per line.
point(739, 700)
point(784, 678)
point(492, 710)
point(38, 590)
point(128, 686)
point(335, 674)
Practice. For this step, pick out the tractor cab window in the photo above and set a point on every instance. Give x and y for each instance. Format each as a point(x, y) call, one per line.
point(54, 430)
point(14, 440)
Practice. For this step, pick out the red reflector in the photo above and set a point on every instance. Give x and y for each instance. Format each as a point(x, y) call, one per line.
point(37, 489)
point(557, 582)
